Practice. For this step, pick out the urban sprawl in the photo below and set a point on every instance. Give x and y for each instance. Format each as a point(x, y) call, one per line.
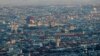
point(50, 30)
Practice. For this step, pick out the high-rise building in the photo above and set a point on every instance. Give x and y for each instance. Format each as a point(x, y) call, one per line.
point(14, 27)
point(39, 23)
point(72, 27)
point(58, 41)
point(22, 20)
point(30, 21)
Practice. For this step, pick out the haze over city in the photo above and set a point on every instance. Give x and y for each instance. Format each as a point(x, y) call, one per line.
point(47, 2)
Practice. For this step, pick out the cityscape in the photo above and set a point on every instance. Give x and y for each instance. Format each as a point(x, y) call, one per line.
point(52, 30)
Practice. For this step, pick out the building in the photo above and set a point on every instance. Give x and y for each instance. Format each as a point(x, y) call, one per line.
point(14, 26)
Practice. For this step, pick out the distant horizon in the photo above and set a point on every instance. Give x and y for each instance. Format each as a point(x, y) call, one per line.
point(71, 5)
point(47, 2)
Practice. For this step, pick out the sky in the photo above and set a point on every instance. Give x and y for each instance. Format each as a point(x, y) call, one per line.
point(47, 2)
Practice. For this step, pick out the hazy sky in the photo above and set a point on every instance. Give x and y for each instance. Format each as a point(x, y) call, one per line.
point(47, 2)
